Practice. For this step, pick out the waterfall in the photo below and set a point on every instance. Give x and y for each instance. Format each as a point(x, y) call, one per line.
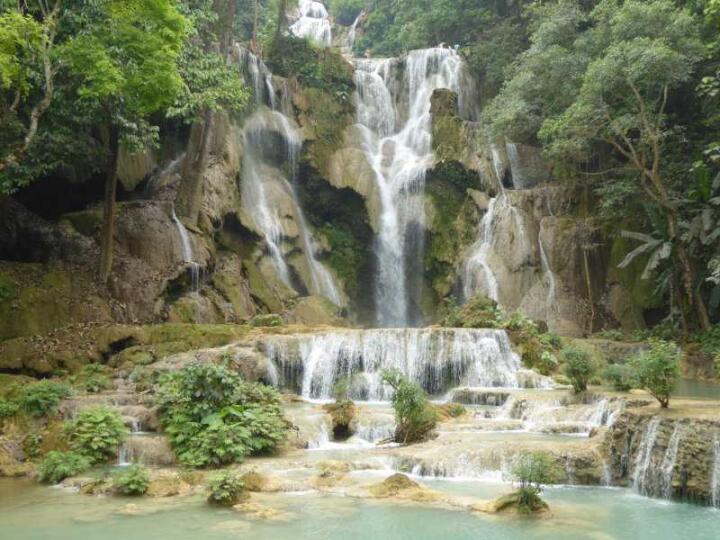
point(550, 277)
point(187, 253)
point(436, 359)
point(715, 476)
point(640, 477)
point(393, 114)
point(352, 34)
point(272, 141)
point(514, 159)
point(668, 464)
point(314, 23)
point(478, 276)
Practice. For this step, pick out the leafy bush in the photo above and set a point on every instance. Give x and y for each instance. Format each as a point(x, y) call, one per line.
point(132, 481)
point(621, 376)
point(531, 472)
point(578, 367)
point(225, 488)
point(414, 415)
point(212, 417)
point(56, 466)
point(709, 340)
point(96, 433)
point(658, 369)
point(612, 334)
point(7, 409)
point(478, 312)
point(92, 378)
point(547, 363)
point(456, 409)
point(346, 11)
point(42, 398)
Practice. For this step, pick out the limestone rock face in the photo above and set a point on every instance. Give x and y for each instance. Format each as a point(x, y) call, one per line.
point(669, 456)
point(315, 311)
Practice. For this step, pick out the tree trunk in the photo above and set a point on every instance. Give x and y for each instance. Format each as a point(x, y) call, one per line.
point(108, 228)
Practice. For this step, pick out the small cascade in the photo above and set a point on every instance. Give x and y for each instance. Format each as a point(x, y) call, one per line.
point(478, 276)
point(715, 476)
point(187, 253)
point(313, 23)
point(606, 478)
point(498, 166)
point(668, 464)
point(272, 142)
point(352, 34)
point(515, 170)
point(641, 474)
point(438, 360)
point(393, 115)
point(549, 276)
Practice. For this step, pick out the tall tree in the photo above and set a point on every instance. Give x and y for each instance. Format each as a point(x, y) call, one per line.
point(210, 86)
point(27, 41)
point(125, 56)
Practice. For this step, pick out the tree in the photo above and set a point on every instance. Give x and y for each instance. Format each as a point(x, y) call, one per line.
point(646, 50)
point(125, 56)
point(210, 85)
point(414, 415)
point(578, 367)
point(27, 42)
point(531, 472)
point(658, 369)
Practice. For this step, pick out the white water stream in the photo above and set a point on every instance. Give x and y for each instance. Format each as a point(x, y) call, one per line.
point(393, 114)
point(272, 144)
point(187, 253)
point(313, 22)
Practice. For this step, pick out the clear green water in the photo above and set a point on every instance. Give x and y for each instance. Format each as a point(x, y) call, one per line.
point(30, 512)
point(691, 388)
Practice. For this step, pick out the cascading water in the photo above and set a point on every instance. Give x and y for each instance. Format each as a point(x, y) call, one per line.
point(264, 187)
point(641, 474)
point(549, 276)
point(313, 23)
point(668, 464)
point(478, 276)
point(194, 268)
point(515, 170)
point(393, 113)
point(436, 359)
point(352, 34)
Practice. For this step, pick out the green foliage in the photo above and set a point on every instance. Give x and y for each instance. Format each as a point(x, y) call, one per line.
point(346, 11)
point(268, 320)
point(548, 363)
point(658, 369)
point(709, 340)
point(225, 488)
point(210, 83)
point(414, 415)
point(532, 471)
point(134, 480)
point(621, 376)
point(456, 410)
point(42, 398)
point(579, 367)
point(345, 255)
point(7, 409)
point(314, 67)
point(96, 433)
point(478, 312)
point(92, 378)
point(56, 466)
point(213, 418)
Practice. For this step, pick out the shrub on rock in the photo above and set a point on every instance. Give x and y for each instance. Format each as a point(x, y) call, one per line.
point(96, 433)
point(134, 480)
point(225, 489)
point(658, 369)
point(56, 466)
point(578, 367)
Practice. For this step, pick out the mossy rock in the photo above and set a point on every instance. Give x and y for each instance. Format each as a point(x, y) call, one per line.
point(86, 222)
point(269, 320)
